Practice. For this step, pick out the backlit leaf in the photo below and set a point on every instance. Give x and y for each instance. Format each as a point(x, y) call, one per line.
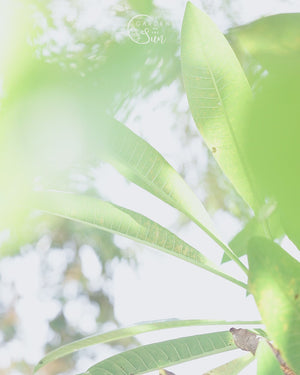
point(218, 93)
point(274, 281)
point(128, 332)
point(140, 163)
point(119, 220)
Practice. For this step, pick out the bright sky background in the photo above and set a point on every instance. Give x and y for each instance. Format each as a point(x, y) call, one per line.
point(162, 287)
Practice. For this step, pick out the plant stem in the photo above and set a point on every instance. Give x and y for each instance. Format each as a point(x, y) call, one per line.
point(226, 276)
point(232, 256)
point(226, 249)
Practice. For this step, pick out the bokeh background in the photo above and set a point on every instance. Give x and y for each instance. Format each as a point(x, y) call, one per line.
point(63, 63)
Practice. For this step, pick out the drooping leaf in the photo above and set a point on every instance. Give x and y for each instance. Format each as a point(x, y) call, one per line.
point(233, 367)
point(119, 220)
point(127, 332)
point(162, 354)
point(267, 363)
point(274, 281)
point(218, 93)
point(140, 163)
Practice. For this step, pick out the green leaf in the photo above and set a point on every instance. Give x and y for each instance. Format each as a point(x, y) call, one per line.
point(273, 149)
point(140, 163)
point(233, 367)
point(267, 363)
point(218, 94)
point(274, 281)
point(141, 6)
point(128, 332)
point(130, 224)
point(269, 39)
point(160, 355)
point(254, 228)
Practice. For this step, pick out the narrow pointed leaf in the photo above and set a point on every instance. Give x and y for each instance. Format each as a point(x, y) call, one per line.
point(274, 281)
point(163, 354)
point(140, 163)
point(233, 367)
point(218, 93)
point(119, 220)
point(267, 363)
point(128, 332)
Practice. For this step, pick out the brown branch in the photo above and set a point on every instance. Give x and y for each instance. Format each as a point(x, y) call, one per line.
point(248, 341)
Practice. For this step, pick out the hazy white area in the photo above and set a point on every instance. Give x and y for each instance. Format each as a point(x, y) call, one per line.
point(162, 287)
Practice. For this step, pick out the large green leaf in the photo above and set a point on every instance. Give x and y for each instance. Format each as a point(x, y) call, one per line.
point(273, 150)
point(274, 281)
point(167, 353)
point(218, 94)
point(267, 363)
point(233, 367)
point(127, 332)
point(269, 39)
point(138, 161)
point(119, 220)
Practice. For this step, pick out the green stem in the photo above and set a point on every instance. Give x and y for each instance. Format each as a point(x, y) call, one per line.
point(226, 249)
point(226, 276)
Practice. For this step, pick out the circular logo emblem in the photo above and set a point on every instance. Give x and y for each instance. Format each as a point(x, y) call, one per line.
point(143, 29)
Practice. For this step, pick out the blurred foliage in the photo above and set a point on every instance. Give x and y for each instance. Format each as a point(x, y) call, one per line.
point(51, 113)
point(270, 41)
point(271, 48)
point(275, 155)
point(58, 74)
point(48, 103)
point(52, 233)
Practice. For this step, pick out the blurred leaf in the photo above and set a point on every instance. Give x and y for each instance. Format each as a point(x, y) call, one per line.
point(162, 354)
point(274, 281)
point(272, 150)
point(269, 39)
point(119, 220)
point(141, 6)
point(47, 122)
point(15, 28)
point(165, 372)
point(233, 367)
point(127, 332)
point(267, 363)
point(253, 228)
point(218, 94)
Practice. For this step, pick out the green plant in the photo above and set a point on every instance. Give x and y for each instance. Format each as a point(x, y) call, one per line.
point(227, 116)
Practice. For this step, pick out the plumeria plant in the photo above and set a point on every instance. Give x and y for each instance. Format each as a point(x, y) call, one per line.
point(253, 133)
